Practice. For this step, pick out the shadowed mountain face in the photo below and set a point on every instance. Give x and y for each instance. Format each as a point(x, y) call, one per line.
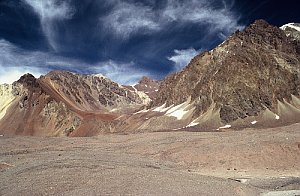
point(250, 80)
point(255, 70)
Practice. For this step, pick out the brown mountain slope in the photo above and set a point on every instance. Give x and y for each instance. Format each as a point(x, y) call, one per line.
point(250, 80)
point(254, 73)
point(62, 103)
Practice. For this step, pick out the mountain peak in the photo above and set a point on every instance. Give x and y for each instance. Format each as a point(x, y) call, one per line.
point(28, 80)
point(260, 22)
point(247, 74)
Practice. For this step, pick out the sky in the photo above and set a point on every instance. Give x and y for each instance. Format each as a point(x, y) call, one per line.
point(122, 39)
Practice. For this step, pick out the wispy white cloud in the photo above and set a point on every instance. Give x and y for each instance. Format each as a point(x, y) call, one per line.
point(182, 57)
point(51, 12)
point(123, 73)
point(127, 19)
point(15, 62)
point(202, 12)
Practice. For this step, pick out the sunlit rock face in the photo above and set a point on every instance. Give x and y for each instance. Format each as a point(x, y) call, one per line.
point(60, 102)
point(253, 73)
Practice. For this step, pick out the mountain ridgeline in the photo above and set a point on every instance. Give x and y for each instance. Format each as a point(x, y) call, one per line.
point(250, 80)
point(255, 70)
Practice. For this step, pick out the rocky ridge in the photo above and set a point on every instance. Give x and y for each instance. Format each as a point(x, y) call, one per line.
point(61, 102)
point(252, 72)
point(252, 79)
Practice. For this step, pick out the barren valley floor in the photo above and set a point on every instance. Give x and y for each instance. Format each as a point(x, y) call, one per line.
point(247, 162)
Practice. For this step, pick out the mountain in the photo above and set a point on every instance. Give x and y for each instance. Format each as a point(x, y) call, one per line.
point(251, 79)
point(61, 102)
point(148, 86)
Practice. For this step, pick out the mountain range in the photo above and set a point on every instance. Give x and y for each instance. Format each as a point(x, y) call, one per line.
point(252, 79)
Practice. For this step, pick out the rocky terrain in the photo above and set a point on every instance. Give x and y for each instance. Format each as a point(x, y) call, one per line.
point(251, 80)
point(227, 124)
point(61, 102)
point(149, 86)
point(249, 162)
point(253, 77)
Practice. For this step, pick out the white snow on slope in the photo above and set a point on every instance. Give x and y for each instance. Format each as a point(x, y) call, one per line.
point(99, 76)
point(145, 98)
point(291, 25)
point(253, 122)
point(179, 111)
point(166, 109)
point(224, 127)
point(193, 123)
point(173, 109)
point(141, 111)
point(160, 108)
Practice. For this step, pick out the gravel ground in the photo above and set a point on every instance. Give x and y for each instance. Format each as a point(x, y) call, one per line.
point(249, 162)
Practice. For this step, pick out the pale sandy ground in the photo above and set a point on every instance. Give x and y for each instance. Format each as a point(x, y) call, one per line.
point(248, 162)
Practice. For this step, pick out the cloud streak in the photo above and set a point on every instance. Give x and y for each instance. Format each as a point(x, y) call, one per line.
point(127, 19)
point(15, 62)
point(50, 13)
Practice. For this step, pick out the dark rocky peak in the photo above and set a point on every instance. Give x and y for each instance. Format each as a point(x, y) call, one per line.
point(261, 32)
point(146, 80)
point(148, 86)
point(29, 81)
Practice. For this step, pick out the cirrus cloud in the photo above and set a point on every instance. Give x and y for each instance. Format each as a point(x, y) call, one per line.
point(130, 18)
point(50, 13)
point(15, 62)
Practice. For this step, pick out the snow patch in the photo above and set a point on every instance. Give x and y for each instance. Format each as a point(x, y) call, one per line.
point(145, 98)
point(253, 122)
point(291, 25)
point(224, 127)
point(141, 111)
point(99, 76)
point(178, 111)
point(166, 109)
point(277, 117)
point(160, 108)
point(192, 124)
point(133, 86)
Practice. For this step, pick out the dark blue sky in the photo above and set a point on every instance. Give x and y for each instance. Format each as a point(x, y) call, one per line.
point(123, 39)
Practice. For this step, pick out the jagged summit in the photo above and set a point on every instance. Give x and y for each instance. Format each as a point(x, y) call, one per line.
point(255, 70)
